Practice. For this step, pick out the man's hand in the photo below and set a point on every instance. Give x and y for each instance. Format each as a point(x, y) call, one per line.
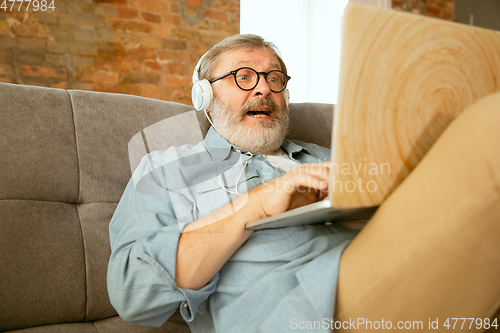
point(301, 186)
point(205, 245)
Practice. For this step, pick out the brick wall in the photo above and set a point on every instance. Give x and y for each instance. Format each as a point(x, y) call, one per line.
point(435, 8)
point(142, 47)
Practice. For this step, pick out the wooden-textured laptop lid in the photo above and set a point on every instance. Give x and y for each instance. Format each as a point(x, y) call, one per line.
point(403, 79)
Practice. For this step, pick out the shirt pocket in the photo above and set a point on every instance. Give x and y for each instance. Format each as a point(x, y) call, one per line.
point(219, 191)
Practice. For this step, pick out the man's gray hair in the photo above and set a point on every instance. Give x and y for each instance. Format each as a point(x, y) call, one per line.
point(242, 41)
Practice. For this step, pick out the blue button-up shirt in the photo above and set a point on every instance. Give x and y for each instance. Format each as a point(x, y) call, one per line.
point(278, 279)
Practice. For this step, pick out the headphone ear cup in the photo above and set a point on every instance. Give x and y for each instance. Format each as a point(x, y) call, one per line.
point(286, 95)
point(201, 95)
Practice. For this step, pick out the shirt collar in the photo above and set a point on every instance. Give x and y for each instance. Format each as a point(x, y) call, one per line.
point(219, 148)
point(291, 147)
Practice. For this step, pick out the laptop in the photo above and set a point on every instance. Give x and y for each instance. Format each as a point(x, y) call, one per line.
point(403, 79)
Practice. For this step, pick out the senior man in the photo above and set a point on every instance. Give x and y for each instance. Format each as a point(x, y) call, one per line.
point(184, 245)
point(222, 276)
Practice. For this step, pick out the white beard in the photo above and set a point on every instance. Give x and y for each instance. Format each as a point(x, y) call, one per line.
point(266, 139)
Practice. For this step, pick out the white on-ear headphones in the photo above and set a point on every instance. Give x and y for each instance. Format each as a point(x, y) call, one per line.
point(202, 93)
point(286, 95)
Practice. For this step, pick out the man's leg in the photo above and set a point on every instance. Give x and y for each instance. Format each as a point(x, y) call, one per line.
point(432, 250)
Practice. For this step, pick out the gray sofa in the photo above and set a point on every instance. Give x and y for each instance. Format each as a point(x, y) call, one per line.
point(64, 163)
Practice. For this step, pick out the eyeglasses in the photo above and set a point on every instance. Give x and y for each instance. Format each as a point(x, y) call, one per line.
point(247, 78)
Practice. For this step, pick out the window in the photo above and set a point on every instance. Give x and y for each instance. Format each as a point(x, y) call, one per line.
point(307, 32)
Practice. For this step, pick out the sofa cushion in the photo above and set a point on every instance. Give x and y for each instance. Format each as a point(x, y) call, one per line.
point(38, 153)
point(104, 124)
point(42, 275)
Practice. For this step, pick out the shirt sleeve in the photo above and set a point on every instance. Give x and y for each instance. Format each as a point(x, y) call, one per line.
point(144, 234)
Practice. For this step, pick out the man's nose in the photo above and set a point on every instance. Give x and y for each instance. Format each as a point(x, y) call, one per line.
point(262, 88)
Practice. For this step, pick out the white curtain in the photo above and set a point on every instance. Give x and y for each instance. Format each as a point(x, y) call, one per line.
point(308, 34)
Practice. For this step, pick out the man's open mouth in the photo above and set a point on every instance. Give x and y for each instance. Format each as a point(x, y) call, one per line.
point(258, 113)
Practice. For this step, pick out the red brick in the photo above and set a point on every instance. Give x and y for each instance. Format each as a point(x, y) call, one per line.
point(177, 81)
point(131, 26)
point(30, 44)
point(174, 44)
point(172, 19)
point(127, 13)
point(447, 15)
point(32, 58)
point(153, 65)
point(432, 11)
point(141, 53)
point(199, 48)
point(131, 78)
point(162, 30)
point(8, 42)
point(174, 8)
point(6, 80)
point(175, 68)
point(125, 65)
point(82, 86)
point(44, 72)
point(192, 11)
point(78, 8)
point(165, 55)
point(83, 35)
point(110, 51)
point(81, 62)
point(73, 21)
point(215, 15)
point(153, 6)
point(58, 60)
point(30, 30)
point(228, 6)
point(151, 91)
point(48, 17)
point(124, 39)
point(61, 85)
point(153, 78)
point(151, 17)
point(233, 18)
point(100, 77)
point(116, 2)
point(174, 92)
point(6, 70)
point(204, 27)
point(187, 34)
point(194, 3)
point(106, 10)
point(150, 42)
point(72, 48)
point(193, 58)
point(131, 89)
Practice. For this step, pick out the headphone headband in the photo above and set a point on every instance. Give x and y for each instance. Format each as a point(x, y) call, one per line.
point(195, 77)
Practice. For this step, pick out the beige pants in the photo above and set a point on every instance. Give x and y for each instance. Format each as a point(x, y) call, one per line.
point(432, 250)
